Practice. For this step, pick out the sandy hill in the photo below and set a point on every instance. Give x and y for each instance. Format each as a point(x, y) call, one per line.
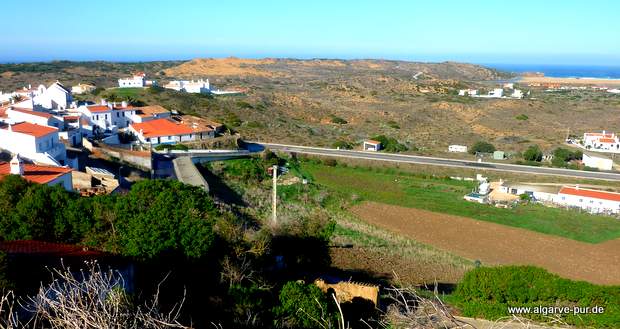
point(278, 68)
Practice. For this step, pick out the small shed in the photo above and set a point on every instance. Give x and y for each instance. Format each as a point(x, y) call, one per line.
point(499, 155)
point(372, 145)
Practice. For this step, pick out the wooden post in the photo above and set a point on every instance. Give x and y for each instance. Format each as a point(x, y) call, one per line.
point(275, 195)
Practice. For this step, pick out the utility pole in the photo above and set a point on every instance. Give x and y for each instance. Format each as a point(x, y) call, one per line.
point(275, 194)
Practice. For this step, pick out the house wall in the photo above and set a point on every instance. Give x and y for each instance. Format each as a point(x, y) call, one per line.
point(589, 204)
point(136, 82)
point(457, 148)
point(597, 162)
point(54, 97)
point(65, 181)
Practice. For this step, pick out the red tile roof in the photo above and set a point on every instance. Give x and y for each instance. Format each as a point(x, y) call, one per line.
point(372, 141)
point(161, 127)
point(33, 247)
point(606, 140)
point(32, 112)
point(611, 196)
point(36, 173)
point(98, 108)
point(32, 129)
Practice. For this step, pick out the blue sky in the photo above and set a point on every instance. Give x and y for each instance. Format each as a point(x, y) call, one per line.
point(525, 31)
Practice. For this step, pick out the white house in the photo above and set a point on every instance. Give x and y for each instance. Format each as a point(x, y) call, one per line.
point(517, 93)
point(191, 86)
point(138, 80)
point(108, 115)
point(545, 193)
point(601, 141)
point(167, 131)
point(56, 96)
point(16, 114)
point(593, 201)
point(371, 145)
point(39, 174)
point(597, 161)
point(39, 143)
point(82, 88)
point(457, 148)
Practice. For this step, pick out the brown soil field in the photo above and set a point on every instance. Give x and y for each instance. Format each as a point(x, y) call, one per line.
point(388, 266)
point(497, 244)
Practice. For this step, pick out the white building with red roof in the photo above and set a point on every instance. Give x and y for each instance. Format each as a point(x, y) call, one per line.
point(138, 80)
point(603, 141)
point(40, 174)
point(108, 115)
point(168, 131)
point(593, 201)
point(17, 114)
point(38, 143)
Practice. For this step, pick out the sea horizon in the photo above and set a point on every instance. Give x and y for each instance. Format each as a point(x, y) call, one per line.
point(562, 71)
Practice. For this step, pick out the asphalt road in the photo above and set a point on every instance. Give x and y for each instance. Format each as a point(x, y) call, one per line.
point(442, 162)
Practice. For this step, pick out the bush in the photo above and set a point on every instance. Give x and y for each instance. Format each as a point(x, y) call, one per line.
point(342, 145)
point(305, 306)
point(522, 117)
point(393, 124)
point(533, 153)
point(251, 170)
point(178, 147)
point(488, 292)
point(390, 144)
point(562, 156)
point(482, 147)
point(338, 120)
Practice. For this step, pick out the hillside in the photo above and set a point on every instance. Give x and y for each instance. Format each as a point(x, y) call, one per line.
point(278, 68)
point(320, 102)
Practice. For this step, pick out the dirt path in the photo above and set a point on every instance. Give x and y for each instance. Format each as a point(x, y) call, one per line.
point(498, 244)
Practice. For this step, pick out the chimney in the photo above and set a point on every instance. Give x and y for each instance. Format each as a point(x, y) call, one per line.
point(111, 105)
point(17, 165)
point(124, 104)
point(577, 187)
point(103, 102)
point(141, 131)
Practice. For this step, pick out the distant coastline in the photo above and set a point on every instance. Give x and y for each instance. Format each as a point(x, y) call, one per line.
point(576, 72)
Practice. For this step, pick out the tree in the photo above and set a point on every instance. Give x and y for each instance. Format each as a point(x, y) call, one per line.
point(390, 144)
point(482, 147)
point(533, 153)
point(305, 306)
point(159, 216)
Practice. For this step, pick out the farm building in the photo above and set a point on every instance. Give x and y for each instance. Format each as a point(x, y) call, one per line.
point(372, 145)
point(593, 201)
point(597, 161)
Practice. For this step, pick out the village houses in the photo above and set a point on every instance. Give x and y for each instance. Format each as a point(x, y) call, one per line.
point(39, 174)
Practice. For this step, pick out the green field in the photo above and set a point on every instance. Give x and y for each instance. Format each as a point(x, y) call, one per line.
point(446, 196)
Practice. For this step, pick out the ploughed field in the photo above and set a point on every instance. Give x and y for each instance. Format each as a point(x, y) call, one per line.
point(499, 244)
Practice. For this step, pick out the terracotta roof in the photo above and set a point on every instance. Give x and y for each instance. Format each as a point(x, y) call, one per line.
point(32, 129)
point(609, 135)
point(606, 140)
point(198, 124)
point(33, 247)
point(36, 173)
point(611, 196)
point(161, 127)
point(32, 112)
point(147, 111)
point(98, 108)
point(372, 141)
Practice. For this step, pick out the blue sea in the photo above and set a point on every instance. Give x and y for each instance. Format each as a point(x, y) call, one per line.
point(562, 71)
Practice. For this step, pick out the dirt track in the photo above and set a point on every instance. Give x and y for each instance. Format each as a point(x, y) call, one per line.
point(498, 244)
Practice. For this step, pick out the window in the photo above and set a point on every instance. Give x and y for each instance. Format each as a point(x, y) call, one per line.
point(580, 200)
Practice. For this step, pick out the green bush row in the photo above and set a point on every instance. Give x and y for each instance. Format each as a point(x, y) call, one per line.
point(489, 292)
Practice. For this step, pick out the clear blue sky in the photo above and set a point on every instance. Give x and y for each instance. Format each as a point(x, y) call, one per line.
point(523, 31)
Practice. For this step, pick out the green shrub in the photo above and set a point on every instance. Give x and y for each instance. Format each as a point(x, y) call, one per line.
point(177, 147)
point(251, 170)
point(390, 144)
point(393, 124)
point(522, 117)
point(305, 306)
point(342, 145)
point(338, 120)
point(482, 147)
point(489, 292)
point(533, 153)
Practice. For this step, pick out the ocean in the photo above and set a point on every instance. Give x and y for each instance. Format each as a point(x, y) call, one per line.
point(562, 71)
